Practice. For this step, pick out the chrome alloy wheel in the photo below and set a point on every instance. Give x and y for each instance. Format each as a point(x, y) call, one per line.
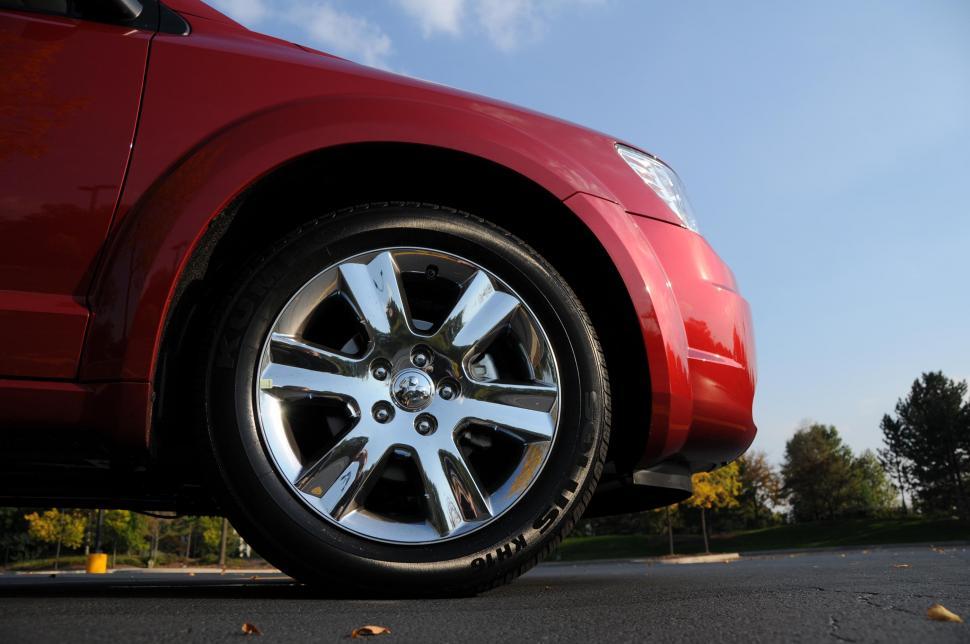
point(408, 395)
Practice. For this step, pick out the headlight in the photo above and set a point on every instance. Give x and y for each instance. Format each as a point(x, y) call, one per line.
point(663, 181)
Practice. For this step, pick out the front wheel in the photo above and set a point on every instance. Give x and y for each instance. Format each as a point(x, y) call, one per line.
point(405, 399)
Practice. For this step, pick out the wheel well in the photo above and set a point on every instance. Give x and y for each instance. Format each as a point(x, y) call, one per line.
point(366, 173)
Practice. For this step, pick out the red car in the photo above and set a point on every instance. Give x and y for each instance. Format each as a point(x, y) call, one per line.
point(403, 336)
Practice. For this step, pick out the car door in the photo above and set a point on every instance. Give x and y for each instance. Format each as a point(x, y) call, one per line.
point(70, 89)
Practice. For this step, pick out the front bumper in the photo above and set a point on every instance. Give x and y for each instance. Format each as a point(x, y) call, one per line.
point(720, 344)
point(697, 331)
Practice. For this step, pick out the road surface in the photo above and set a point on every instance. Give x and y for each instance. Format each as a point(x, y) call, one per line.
point(852, 596)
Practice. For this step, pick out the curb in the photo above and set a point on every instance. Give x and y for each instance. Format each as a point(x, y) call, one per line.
point(715, 557)
point(694, 559)
point(762, 553)
point(883, 546)
point(153, 571)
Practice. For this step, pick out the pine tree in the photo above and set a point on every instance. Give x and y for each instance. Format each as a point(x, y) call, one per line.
point(930, 437)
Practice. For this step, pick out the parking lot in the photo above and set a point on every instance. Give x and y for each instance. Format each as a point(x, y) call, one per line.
point(851, 596)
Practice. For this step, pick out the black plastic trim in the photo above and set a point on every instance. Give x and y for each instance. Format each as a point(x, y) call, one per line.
point(674, 476)
point(170, 22)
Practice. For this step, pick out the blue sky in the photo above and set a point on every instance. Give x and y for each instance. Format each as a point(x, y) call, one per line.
point(825, 146)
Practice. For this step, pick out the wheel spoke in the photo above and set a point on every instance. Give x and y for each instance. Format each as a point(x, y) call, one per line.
point(538, 397)
point(479, 315)
point(343, 476)
point(313, 355)
point(452, 491)
point(375, 291)
point(292, 383)
point(523, 410)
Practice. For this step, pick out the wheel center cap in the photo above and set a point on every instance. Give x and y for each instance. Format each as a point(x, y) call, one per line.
point(412, 390)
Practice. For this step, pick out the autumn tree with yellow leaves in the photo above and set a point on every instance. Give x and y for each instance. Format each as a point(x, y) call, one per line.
point(715, 490)
point(60, 527)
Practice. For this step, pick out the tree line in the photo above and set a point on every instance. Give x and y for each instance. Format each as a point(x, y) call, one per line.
point(923, 467)
point(129, 538)
point(924, 464)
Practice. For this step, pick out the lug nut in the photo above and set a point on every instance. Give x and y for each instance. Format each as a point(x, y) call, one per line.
point(382, 412)
point(425, 424)
point(380, 370)
point(420, 358)
point(448, 391)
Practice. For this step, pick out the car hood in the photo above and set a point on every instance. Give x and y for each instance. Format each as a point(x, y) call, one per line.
point(587, 151)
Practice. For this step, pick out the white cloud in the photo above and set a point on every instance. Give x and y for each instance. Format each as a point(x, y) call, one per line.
point(248, 12)
point(343, 33)
point(509, 22)
point(319, 24)
point(436, 15)
point(332, 26)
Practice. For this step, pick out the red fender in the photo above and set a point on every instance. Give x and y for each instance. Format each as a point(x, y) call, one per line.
point(660, 321)
point(158, 235)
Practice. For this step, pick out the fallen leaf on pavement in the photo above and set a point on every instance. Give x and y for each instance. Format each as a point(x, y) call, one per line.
point(368, 631)
point(250, 629)
point(901, 566)
point(938, 613)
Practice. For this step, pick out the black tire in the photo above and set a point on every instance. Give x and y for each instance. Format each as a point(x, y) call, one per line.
point(283, 530)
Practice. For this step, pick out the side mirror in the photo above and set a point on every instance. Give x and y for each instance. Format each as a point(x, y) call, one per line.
point(128, 9)
point(108, 10)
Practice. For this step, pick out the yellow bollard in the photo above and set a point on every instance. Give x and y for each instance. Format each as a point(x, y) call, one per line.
point(97, 563)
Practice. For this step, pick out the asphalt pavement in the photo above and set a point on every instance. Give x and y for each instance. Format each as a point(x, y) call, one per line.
point(878, 595)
